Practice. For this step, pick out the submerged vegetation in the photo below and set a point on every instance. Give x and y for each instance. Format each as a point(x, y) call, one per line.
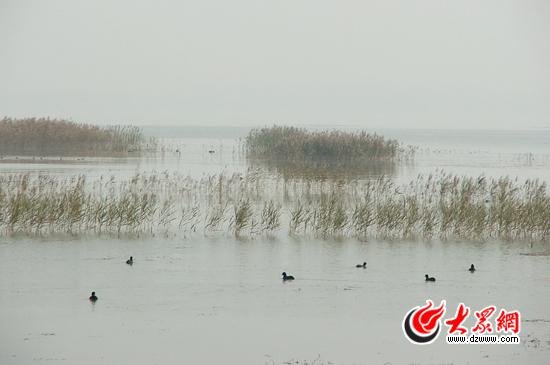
point(261, 203)
point(285, 143)
point(45, 136)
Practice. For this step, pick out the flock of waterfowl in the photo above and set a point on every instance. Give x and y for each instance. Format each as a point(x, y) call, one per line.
point(286, 277)
point(364, 266)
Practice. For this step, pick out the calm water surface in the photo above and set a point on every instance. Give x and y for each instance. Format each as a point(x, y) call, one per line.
point(209, 301)
point(221, 300)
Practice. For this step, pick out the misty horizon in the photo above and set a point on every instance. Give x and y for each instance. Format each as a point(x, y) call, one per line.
point(413, 65)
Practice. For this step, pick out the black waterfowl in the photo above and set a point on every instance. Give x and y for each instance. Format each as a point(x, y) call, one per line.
point(287, 277)
point(130, 261)
point(472, 268)
point(363, 266)
point(93, 297)
point(429, 278)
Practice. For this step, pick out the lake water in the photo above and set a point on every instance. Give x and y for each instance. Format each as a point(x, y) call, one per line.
point(195, 299)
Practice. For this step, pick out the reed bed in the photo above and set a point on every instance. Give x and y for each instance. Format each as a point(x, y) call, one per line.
point(44, 136)
point(284, 143)
point(259, 203)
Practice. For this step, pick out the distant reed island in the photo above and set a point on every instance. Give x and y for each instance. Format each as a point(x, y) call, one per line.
point(298, 144)
point(44, 136)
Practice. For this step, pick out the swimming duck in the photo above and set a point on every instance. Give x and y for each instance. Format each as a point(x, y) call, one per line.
point(93, 297)
point(287, 277)
point(429, 279)
point(131, 261)
point(364, 266)
point(472, 268)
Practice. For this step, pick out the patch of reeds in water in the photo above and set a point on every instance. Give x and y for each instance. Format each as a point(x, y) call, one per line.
point(259, 203)
point(285, 143)
point(44, 136)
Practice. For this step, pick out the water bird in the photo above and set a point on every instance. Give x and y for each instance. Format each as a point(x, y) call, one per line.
point(429, 278)
point(287, 277)
point(93, 297)
point(472, 268)
point(130, 261)
point(364, 266)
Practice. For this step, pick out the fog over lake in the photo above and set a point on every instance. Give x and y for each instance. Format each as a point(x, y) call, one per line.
point(208, 298)
point(465, 83)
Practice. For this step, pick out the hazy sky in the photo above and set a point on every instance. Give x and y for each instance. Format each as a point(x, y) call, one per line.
point(409, 64)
